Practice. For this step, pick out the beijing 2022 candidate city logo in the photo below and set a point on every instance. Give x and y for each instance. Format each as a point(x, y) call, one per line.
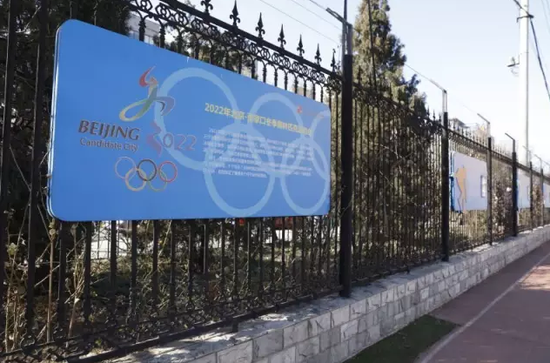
point(147, 175)
point(146, 172)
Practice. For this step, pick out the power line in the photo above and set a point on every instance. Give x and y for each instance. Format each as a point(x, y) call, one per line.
point(537, 48)
point(453, 98)
point(317, 4)
point(317, 15)
point(522, 8)
point(299, 21)
point(539, 59)
point(421, 75)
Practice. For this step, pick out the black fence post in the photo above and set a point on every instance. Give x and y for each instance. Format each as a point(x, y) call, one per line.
point(445, 192)
point(490, 189)
point(346, 221)
point(542, 197)
point(514, 190)
point(6, 143)
point(531, 204)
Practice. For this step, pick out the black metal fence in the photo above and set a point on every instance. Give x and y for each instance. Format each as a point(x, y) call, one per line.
point(91, 291)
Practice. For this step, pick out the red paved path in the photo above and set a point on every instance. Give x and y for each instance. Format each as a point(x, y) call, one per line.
point(514, 329)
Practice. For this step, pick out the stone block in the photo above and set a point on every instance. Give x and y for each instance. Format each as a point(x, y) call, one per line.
point(387, 326)
point(268, 344)
point(406, 302)
point(424, 293)
point(410, 315)
point(400, 316)
point(286, 356)
point(340, 316)
point(411, 287)
point(431, 304)
point(374, 334)
point(434, 289)
point(358, 343)
point(429, 279)
point(211, 358)
point(382, 313)
point(296, 333)
point(391, 309)
point(421, 283)
point(319, 324)
point(241, 353)
point(322, 357)
point(399, 306)
point(339, 352)
point(373, 302)
point(415, 298)
point(307, 349)
point(330, 338)
point(349, 329)
point(358, 309)
point(365, 322)
point(388, 295)
point(401, 290)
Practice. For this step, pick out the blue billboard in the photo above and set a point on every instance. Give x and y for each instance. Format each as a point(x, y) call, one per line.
point(524, 190)
point(139, 132)
point(468, 183)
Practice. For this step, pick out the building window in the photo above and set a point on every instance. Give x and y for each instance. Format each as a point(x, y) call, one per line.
point(148, 39)
point(133, 34)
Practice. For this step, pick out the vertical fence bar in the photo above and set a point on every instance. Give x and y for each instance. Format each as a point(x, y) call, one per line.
point(62, 275)
point(346, 221)
point(490, 188)
point(205, 257)
point(74, 9)
point(172, 293)
point(6, 142)
point(514, 190)
point(155, 274)
point(191, 265)
point(133, 272)
point(87, 304)
point(249, 255)
point(445, 193)
point(34, 213)
point(113, 273)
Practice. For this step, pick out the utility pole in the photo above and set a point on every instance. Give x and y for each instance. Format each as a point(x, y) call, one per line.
point(344, 31)
point(524, 22)
point(346, 217)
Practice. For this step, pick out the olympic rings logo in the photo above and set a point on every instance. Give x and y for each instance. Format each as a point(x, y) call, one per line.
point(321, 166)
point(146, 171)
point(166, 102)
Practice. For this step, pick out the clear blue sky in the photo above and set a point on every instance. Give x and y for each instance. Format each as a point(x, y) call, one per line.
point(464, 45)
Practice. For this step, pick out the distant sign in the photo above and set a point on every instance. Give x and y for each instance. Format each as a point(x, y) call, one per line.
point(546, 194)
point(469, 183)
point(139, 132)
point(524, 190)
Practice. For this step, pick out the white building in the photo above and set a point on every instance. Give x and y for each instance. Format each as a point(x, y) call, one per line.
point(152, 29)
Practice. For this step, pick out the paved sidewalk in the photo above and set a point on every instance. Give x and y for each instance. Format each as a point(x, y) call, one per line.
point(505, 319)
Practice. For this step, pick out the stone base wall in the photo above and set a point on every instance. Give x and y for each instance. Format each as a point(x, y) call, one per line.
point(333, 329)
